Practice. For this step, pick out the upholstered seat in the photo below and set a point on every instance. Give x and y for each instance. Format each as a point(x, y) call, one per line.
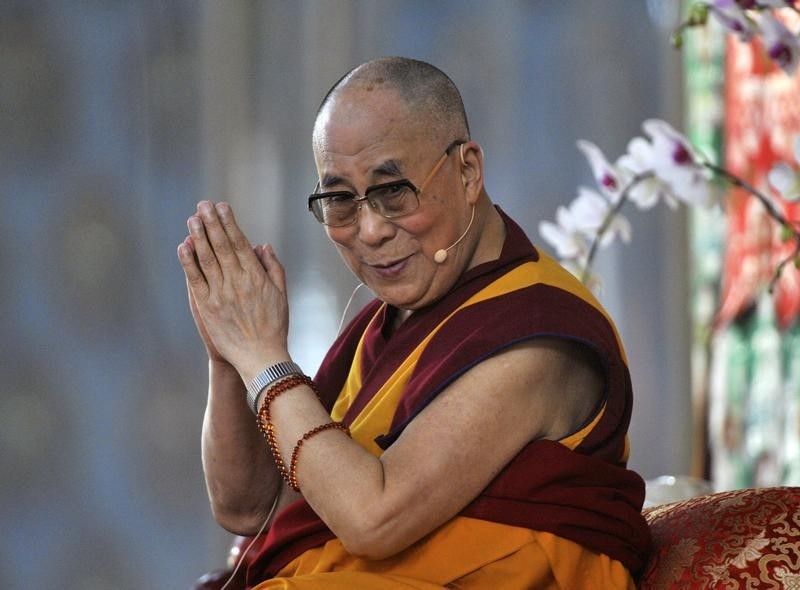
point(730, 540)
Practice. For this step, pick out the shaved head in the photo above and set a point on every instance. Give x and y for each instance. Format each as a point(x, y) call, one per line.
point(428, 93)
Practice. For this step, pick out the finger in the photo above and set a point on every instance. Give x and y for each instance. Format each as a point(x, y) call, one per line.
point(220, 243)
point(194, 276)
point(206, 259)
point(239, 242)
point(257, 250)
point(273, 266)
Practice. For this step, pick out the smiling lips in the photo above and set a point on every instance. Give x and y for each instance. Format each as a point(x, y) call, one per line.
point(391, 269)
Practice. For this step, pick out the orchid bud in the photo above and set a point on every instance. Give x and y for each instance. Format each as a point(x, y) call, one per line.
point(677, 40)
point(781, 54)
point(783, 46)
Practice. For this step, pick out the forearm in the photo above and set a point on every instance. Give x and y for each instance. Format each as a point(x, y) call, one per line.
point(342, 482)
point(241, 478)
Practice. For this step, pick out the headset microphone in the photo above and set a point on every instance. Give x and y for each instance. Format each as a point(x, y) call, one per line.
point(441, 255)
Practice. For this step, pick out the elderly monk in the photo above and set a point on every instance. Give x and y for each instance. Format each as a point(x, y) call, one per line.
point(468, 428)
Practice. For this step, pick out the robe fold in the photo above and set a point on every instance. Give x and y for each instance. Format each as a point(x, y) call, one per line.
point(561, 514)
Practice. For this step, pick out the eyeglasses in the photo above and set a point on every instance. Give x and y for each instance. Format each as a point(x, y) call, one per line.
point(390, 199)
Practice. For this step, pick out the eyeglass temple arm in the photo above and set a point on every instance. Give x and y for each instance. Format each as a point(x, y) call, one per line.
point(439, 164)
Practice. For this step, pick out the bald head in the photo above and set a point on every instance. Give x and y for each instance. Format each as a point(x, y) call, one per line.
point(427, 93)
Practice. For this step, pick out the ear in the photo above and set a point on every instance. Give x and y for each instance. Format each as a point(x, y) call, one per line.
point(471, 164)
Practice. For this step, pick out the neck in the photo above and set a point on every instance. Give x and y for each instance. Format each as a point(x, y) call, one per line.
point(492, 234)
point(400, 315)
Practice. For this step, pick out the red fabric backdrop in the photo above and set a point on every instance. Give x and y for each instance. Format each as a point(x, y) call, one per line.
point(762, 117)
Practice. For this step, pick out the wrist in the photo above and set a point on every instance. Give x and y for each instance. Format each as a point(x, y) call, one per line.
point(269, 377)
point(222, 376)
point(221, 367)
point(248, 370)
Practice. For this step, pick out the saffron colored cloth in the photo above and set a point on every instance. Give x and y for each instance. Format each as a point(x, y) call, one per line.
point(561, 513)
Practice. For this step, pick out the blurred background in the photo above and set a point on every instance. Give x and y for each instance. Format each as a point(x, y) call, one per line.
point(117, 117)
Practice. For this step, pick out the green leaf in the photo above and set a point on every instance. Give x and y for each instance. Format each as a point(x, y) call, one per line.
point(787, 233)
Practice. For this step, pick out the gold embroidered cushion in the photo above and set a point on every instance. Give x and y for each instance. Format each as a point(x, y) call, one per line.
point(740, 539)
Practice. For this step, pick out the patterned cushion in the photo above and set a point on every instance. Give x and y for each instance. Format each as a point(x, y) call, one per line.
point(741, 539)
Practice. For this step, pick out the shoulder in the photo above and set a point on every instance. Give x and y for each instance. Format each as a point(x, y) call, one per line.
point(557, 385)
point(488, 327)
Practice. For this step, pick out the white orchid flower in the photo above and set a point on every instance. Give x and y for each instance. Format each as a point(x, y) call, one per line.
point(783, 46)
point(733, 17)
point(577, 226)
point(590, 210)
point(786, 179)
point(619, 226)
point(639, 160)
point(569, 242)
point(609, 178)
point(675, 164)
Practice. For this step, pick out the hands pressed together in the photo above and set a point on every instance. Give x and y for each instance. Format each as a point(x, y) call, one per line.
point(237, 292)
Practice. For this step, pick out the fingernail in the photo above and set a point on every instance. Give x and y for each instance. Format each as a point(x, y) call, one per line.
point(194, 225)
point(223, 209)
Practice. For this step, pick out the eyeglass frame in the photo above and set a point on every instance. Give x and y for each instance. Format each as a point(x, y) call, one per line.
point(359, 200)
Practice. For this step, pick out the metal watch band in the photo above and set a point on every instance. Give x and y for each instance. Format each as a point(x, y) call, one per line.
point(267, 377)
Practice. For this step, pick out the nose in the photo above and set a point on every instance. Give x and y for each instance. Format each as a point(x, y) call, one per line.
point(373, 228)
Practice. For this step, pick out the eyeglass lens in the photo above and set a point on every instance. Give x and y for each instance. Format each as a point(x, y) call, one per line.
point(392, 200)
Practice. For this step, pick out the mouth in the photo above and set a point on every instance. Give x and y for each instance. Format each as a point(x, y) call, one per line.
point(391, 268)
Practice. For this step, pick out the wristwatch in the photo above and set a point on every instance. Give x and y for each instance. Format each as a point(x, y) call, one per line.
point(267, 377)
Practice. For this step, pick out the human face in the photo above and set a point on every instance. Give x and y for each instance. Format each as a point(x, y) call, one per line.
point(363, 139)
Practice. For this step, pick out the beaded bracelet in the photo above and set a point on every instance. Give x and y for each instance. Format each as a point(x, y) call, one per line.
point(265, 420)
point(296, 452)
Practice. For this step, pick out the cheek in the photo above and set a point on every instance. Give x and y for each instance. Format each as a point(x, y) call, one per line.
point(426, 230)
point(347, 255)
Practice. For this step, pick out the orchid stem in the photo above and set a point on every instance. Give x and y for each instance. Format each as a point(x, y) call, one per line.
point(612, 213)
point(772, 210)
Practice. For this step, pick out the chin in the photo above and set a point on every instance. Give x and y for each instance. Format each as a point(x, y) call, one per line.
point(408, 301)
point(394, 295)
point(395, 301)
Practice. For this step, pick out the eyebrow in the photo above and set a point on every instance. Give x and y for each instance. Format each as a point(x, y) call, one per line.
point(384, 169)
point(388, 168)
